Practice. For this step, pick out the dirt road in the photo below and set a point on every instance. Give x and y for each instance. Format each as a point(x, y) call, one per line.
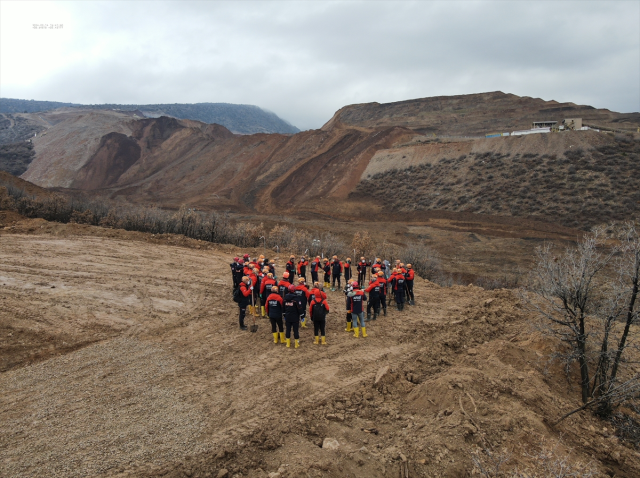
point(121, 357)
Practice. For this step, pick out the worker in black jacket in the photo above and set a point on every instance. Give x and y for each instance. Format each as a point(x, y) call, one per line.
point(246, 289)
point(236, 272)
point(292, 312)
point(275, 311)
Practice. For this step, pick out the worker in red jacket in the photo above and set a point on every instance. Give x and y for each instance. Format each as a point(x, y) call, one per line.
point(374, 291)
point(283, 285)
point(410, 276)
point(317, 289)
point(302, 291)
point(383, 292)
point(244, 300)
point(336, 272)
point(357, 299)
point(318, 310)
point(316, 266)
point(347, 270)
point(362, 270)
point(398, 286)
point(275, 311)
point(327, 273)
point(302, 267)
point(291, 267)
point(265, 287)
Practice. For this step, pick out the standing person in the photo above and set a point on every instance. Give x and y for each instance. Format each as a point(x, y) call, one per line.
point(275, 310)
point(236, 272)
point(336, 272)
point(265, 288)
point(357, 299)
point(398, 284)
point(302, 268)
point(291, 268)
point(271, 266)
point(283, 285)
point(318, 310)
point(302, 291)
point(327, 273)
point(292, 312)
point(374, 291)
point(346, 291)
point(383, 292)
point(347, 270)
point(410, 276)
point(362, 270)
point(316, 265)
point(243, 295)
point(317, 288)
point(380, 265)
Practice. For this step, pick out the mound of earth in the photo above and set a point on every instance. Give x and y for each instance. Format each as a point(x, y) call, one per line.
point(476, 115)
point(121, 356)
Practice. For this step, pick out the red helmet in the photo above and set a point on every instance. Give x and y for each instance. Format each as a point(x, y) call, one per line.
point(235, 259)
point(292, 288)
point(285, 275)
point(240, 261)
point(354, 284)
point(246, 256)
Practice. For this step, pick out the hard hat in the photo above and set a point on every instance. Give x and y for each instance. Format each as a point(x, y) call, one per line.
point(240, 261)
point(292, 256)
point(246, 256)
point(261, 256)
point(274, 288)
point(354, 284)
point(301, 279)
point(292, 288)
point(348, 259)
point(408, 266)
point(236, 259)
point(270, 275)
point(265, 269)
point(285, 275)
point(245, 279)
point(380, 274)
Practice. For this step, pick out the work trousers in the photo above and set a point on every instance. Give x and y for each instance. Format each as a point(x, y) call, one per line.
point(383, 301)
point(333, 280)
point(296, 330)
point(276, 325)
point(374, 301)
point(327, 278)
point(356, 317)
point(318, 327)
point(314, 277)
point(410, 290)
point(243, 312)
point(361, 277)
point(399, 296)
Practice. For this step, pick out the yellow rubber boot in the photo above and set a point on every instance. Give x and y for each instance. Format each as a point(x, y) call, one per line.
point(288, 343)
point(356, 331)
point(364, 332)
point(297, 343)
point(316, 341)
point(304, 324)
point(348, 329)
point(275, 337)
point(324, 341)
point(262, 310)
point(282, 338)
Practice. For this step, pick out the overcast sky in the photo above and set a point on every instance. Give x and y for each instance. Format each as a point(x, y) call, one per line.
point(304, 60)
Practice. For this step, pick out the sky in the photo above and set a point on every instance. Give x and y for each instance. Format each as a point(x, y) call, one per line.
point(304, 60)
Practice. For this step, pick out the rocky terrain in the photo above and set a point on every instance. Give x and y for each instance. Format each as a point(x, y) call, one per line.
point(120, 356)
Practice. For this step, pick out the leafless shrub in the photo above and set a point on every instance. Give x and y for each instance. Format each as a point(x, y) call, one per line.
point(587, 298)
point(363, 244)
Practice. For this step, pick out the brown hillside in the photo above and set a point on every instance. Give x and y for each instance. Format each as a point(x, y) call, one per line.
point(475, 115)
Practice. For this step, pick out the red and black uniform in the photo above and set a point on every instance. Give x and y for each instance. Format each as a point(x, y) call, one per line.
point(292, 312)
point(409, 277)
point(362, 271)
point(302, 291)
point(283, 287)
point(383, 293)
point(302, 268)
point(265, 288)
point(236, 273)
point(336, 272)
point(318, 310)
point(275, 310)
point(327, 272)
point(315, 267)
point(398, 285)
point(291, 269)
point(380, 266)
point(347, 271)
point(375, 291)
point(346, 291)
point(245, 300)
point(315, 291)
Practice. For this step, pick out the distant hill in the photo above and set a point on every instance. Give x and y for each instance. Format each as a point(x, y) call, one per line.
point(476, 114)
point(242, 119)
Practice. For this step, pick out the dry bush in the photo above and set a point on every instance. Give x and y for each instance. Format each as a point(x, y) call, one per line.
point(362, 244)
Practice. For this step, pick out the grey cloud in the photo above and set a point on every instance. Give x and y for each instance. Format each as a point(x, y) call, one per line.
point(305, 60)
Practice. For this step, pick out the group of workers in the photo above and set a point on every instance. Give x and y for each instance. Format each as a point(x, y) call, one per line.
point(286, 301)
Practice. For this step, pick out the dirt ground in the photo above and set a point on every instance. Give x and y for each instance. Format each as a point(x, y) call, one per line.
point(120, 355)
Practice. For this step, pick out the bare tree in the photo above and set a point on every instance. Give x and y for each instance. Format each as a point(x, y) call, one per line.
point(587, 297)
